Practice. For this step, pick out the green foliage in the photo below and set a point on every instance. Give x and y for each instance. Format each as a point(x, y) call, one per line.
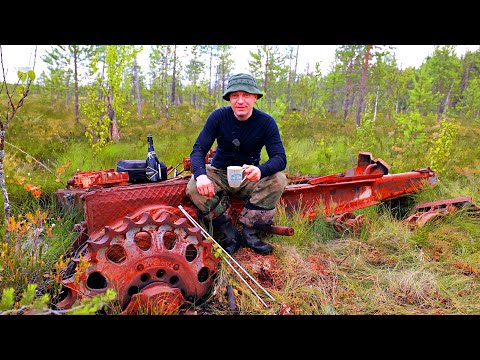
point(445, 71)
point(278, 109)
point(411, 129)
point(306, 155)
point(29, 303)
point(439, 154)
point(365, 137)
point(421, 97)
point(91, 306)
point(470, 100)
point(32, 303)
point(217, 251)
point(28, 295)
point(105, 107)
point(97, 131)
point(23, 76)
point(8, 299)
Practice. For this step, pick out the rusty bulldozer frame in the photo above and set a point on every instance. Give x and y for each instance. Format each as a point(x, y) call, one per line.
point(134, 239)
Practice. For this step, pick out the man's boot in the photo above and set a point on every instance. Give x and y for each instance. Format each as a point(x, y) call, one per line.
point(250, 239)
point(232, 238)
point(253, 219)
point(219, 218)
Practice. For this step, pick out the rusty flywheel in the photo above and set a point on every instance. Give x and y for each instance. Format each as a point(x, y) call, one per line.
point(155, 261)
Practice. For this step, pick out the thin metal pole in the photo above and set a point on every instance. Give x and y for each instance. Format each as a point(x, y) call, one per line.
point(205, 233)
point(246, 283)
point(207, 236)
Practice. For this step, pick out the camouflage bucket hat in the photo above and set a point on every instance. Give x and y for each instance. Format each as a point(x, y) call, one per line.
point(241, 82)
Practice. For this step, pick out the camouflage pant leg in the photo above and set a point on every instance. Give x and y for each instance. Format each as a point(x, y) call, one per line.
point(249, 217)
point(216, 205)
point(264, 193)
point(264, 196)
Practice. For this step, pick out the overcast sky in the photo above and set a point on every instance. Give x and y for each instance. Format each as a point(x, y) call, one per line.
point(21, 57)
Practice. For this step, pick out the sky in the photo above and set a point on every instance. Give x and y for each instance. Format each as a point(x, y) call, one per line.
point(21, 57)
point(407, 55)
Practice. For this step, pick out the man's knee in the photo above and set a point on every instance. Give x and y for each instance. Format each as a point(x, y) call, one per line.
point(268, 193)
point(279, 180)
point(191, 189)
point(276, 183)
point(200, 201)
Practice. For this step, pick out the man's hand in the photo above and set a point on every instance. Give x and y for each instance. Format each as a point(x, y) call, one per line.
point(252, 173)
point(205, 186)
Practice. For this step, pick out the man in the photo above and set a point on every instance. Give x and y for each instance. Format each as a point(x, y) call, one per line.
point(241, 131)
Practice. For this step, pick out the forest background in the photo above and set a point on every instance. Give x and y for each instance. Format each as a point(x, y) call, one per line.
point(95, 106)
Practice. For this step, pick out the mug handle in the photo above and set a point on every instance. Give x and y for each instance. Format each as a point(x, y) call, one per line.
point(244, 177)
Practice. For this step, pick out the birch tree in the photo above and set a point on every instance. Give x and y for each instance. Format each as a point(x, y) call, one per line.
point(160, 61)
point(194, 71)
point(136, 77)
point(63, 61)
point(15, 98)
point(105, 104)
point(362, 84)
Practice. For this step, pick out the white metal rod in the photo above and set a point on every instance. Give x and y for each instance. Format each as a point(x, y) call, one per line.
point(205, 233)
point(208, 236)
point(246, 283)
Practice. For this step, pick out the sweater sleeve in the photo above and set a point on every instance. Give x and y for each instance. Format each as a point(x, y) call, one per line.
point(202, 145)
point(277, 158)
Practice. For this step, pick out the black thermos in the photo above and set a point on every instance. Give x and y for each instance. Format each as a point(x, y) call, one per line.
point(153, 165)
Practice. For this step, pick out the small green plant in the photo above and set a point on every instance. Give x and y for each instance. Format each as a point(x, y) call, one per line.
point(91, 306)
point(30, 303)
point(411, 129)
point(23, 258)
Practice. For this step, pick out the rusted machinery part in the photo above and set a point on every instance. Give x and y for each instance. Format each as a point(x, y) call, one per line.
point(428, 211)
point(419, 219)
point(155, 265)
point(347, 221)
point(281, 230)
point(155, 298)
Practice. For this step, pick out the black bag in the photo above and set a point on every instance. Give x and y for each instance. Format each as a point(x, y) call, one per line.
point(136, 170)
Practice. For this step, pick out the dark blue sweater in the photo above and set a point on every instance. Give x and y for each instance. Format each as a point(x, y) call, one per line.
point(239, 142)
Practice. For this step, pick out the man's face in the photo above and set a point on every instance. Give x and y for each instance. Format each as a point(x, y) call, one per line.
point(242, 104)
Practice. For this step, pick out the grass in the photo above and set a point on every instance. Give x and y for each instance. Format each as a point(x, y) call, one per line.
point(386, 268)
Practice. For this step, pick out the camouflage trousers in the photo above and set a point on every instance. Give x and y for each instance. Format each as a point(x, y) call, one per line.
point(261, 196)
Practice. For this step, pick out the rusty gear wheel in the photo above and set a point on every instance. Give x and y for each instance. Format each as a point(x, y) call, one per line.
point(154, 261)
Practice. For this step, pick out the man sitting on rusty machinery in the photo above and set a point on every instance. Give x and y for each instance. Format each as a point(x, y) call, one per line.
point(241, 131)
